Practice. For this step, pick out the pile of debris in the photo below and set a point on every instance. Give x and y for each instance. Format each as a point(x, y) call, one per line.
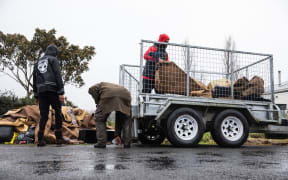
point(171, 79)
point(21, 125)
point(264, 141)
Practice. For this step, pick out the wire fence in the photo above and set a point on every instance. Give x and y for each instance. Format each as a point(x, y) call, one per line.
point(198, 71)
point(129, 78)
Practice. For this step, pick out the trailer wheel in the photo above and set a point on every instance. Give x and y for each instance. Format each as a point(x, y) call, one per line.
point(154, 135)
point(230, 128)
point(185, 127)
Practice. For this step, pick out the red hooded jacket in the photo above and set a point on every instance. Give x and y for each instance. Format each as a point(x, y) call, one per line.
point(150, 66)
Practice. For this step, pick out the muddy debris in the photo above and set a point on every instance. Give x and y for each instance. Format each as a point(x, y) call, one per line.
point(263, 141)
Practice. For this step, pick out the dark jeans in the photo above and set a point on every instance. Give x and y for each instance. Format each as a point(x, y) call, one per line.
point(148, 85)
point(45, 100)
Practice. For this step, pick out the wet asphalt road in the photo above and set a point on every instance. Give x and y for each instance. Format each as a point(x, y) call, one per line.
point(161, 162)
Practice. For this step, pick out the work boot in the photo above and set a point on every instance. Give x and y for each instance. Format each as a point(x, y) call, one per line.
point(41, 141)
point(98, 145)
point(59, 138)
point(61, 141)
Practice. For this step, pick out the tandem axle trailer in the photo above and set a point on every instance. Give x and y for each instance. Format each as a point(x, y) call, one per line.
point(201, 91)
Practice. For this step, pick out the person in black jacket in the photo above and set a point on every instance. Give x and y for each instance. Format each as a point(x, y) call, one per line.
point(48, 90)
point(155, 54)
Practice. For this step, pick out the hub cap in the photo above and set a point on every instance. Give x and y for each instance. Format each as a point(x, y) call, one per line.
point(186, 127)
point(232, 128)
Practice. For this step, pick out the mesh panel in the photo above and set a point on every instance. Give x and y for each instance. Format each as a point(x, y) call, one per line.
point(212, 73)
point(129, 78)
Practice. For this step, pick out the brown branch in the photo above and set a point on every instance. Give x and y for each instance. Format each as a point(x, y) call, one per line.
point(23, 71)
point(29, 80)
point(18, 78)
point(31, 70)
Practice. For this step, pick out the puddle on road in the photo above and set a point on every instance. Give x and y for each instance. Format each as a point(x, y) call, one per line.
point(103, 167)
point(259, 164)
point(54, 155)
point(209, 154)
point(161, 163)
point(48, 167)
point(238, 176)
point(209, 157)
point(257, 153)
point(123, 157)
point(161, 152)
point(210, 161)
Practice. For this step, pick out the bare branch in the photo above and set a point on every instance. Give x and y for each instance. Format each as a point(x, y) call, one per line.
point(18, 78)
point(29, 80)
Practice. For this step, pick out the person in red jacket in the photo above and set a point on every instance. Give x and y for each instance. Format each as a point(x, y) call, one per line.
point(156, 53)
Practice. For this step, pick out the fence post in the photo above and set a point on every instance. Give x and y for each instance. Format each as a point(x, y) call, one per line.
point(141, 67)
point(130, 84)
point(272, 79)
point(123, 75)
point(247, 73)
point(120, 75)
point(232, 74)
point(188, 70)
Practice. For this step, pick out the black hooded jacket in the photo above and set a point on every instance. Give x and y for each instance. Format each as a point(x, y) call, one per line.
point(47, 74)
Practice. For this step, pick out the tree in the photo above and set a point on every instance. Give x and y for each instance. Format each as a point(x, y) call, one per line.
point(67, 102)
point(18, 56)
point(229, 65)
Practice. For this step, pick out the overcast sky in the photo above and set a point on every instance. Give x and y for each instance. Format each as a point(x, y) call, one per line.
point(115, 28)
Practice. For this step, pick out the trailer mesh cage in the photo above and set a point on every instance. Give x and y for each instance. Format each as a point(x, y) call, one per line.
point(129, 78)
point(185, 70)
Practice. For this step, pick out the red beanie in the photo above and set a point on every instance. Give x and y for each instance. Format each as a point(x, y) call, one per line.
point(163, 37)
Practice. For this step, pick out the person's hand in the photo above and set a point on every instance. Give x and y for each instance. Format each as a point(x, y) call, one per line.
point(36, 101)
point(117, 140)
point(161, 60)
point(61, 98)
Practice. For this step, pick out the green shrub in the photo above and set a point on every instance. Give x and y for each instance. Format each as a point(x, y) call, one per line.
point(256, 135)
point(8, 101)
point(207, 139)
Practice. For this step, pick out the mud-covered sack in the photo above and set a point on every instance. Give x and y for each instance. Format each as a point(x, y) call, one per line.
point(255, 87)
point(171, 79)
point(219, 83)
point(243, 87)
point(239, 86)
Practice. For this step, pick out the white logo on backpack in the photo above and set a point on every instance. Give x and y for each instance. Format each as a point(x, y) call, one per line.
point(43, 65)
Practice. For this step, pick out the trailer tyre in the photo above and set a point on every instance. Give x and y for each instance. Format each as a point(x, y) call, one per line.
point(185, 127)
point(230, 128)
point(154, 136)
